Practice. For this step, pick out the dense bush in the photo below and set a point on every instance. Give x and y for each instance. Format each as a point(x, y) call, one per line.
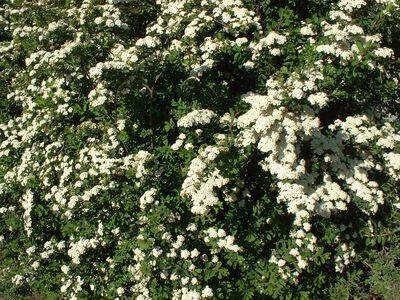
point(199, 149)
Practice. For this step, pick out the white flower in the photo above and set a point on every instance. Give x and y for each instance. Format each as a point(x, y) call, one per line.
point(98, 20)
point(306, 30)
point(275, 51)
point(185, 280)
point(188, 146)
point(35, 265)
point(307, 227)
point(249, 65)
point(185, 254)
point(273, 38)
point(196, 117)
point(301, 263)
point(147, 198)
point(64, 269)
point(156, 252)
point(294, 252)
point(120, 291)
point(241, 41)
point(30, 250)
point(384, 52)
point(207, 292)
point(178, 143)
point(194, 253)
point(17, 279)
point(212, 232)
point(350, 5)
point(221, 233)
point(281, 262)
point(320, 99)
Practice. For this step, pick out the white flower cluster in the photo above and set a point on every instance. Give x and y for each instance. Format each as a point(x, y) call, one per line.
point(187, 294)
point(37, 139)
point(232, 14)
point(147, 198)
point(345, 39)
point(78, 248)
point(343, 259)
point(179, 142)
point(17, 279)
point(196, 117)
point(221, 239)
point(200, 183)
point(393, 163)
point(58, 152)
point(307, 30)
point(350, 5)
point(199, 52)
point(111, 16)
point(320, 99)
point(279, 132)
point(99, 95)
point(272, 41)
point(283, 270)
point(384, 52)
point(27, 203)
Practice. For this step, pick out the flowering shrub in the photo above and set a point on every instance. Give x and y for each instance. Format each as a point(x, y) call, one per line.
point(190, 149)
